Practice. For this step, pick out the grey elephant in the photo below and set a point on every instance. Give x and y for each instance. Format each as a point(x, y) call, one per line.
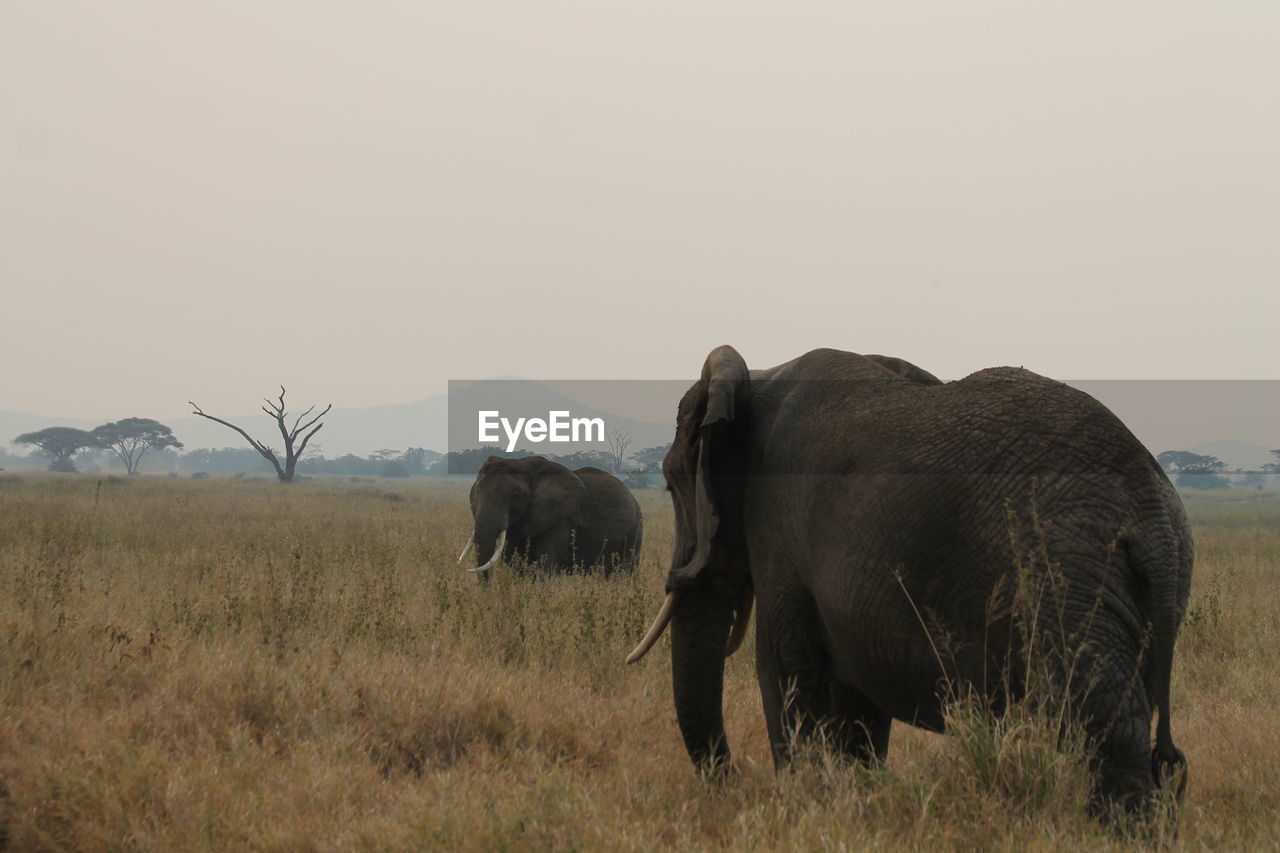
point(554, 519)
point(871, 512)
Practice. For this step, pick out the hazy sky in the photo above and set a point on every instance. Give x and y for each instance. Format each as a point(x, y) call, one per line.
point(364, 200)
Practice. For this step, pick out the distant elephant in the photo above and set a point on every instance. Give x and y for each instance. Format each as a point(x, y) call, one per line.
point(553, 518)
point(870, 511)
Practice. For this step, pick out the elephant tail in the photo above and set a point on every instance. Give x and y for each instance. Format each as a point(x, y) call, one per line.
point(1166, 572)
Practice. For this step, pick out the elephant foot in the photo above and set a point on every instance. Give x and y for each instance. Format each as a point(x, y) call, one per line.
point(1169, 770)
point(1128, 785)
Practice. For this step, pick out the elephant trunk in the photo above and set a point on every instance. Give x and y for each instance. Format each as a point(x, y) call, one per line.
point(699, 625)
point(497, 555)
point(489, 536)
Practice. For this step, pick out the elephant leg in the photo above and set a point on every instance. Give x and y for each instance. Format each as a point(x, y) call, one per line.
point(1117, 719)
point(1124, 763)
point(790, 666)
point(771, 696)
point(860, 728)
point(550, 552)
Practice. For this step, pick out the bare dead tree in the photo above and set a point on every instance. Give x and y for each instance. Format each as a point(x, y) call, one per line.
point(293, 449)
point(618, 444)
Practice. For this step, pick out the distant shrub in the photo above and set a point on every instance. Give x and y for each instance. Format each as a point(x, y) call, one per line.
point(469, 461)
point(1199, 480)
point(642, 479)
point(394, 468)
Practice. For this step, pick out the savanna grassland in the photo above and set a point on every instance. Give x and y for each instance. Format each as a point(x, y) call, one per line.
point(239, 665)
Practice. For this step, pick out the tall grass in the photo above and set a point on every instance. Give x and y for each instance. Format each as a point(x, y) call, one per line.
point(229, 665)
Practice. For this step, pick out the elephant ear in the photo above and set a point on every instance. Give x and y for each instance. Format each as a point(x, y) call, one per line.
point(555, 494)
point(723, 383)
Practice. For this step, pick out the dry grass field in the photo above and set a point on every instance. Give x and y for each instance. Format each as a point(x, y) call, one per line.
point(239, 665)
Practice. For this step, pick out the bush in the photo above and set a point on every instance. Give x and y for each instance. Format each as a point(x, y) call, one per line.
point(394, 468)
point(642, 480)
point(1198, 480)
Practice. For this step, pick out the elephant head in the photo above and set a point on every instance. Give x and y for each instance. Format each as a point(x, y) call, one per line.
point(514, 501)
point(709, 592)
point(709, 589)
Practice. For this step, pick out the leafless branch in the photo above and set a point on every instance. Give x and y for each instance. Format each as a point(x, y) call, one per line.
point(308, 424)
point(276, 410)
point(261, 448)
point(306, 438)
point(618, 444)
point(300, 417)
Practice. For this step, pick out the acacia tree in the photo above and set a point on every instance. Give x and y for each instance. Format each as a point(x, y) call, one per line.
point(61, 443)
point(651, 456)
point(131, 438)
point(293, 449)
point(1195, 471)
point(1186, 462)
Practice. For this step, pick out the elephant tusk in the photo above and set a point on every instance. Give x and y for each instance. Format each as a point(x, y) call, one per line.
point(655, 630)
point(497, 555)
point(741, 620)
point(467, 549)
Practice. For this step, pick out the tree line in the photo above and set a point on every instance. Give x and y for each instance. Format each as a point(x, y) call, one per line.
point(129, 439)
point(132, 438)
point(641, 470)
point(1199, 471)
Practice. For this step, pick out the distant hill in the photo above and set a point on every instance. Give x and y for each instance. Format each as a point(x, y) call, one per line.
point(13, 424)
point(1234, 420)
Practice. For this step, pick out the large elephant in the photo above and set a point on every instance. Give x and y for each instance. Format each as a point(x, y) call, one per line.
point(553, 518)
point(878, 517)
